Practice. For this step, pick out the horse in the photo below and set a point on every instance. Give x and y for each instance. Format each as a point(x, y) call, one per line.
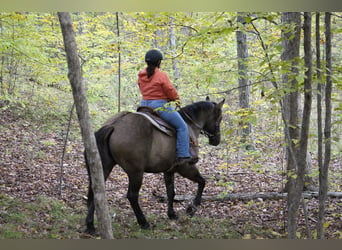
point(132, 142)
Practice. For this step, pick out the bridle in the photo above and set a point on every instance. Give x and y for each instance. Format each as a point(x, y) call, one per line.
point(202, 131)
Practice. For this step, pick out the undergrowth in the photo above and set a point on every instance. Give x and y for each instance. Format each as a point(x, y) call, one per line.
point(47, 218)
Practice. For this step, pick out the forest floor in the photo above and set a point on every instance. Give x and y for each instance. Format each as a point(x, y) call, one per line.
point(39, 198)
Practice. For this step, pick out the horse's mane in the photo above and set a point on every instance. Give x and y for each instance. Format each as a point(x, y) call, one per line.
point(195, 108)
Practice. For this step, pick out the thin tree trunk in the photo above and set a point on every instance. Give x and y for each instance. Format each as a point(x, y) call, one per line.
point(323, 171)
point(291, 43)
point(119, 61)
point(173, 43)
point(244, 87)
point(319, 122)
point(295, 190)
point(78, 90)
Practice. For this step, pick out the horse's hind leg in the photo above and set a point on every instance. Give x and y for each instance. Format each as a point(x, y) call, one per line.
point(170, 190)
point(91, 209)
point(135, 181)
point(108, 165)
point(191, 172)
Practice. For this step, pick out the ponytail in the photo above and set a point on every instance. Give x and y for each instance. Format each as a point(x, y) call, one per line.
point(151, 68)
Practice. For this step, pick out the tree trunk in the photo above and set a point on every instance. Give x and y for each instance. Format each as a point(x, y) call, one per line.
point(296, 187)
point(323, 171)
point(244, 88)
point(291, 42)
point(78, 90)
point(309, 184)
point(320, 220)
point(173, 43)
point(119, 60)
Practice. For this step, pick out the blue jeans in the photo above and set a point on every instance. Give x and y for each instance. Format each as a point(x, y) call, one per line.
point(170, 115)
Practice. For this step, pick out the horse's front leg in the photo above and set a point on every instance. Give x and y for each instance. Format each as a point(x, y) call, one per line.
point(191, 172)
point(170, 190)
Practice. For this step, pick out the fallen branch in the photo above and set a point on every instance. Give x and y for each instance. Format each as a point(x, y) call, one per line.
point(247, 196)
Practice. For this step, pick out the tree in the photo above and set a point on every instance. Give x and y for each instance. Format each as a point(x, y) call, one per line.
point(119, 61)
point(244, 86)
point(173, 45)
point(290, 55)
point(324, 164)
point(75, 77)
point(300, 154)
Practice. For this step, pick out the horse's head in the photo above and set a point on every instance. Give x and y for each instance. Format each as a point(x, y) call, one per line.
point(205, 116)
point(211, 126)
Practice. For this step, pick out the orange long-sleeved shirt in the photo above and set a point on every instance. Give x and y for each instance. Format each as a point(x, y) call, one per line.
point(157, 87)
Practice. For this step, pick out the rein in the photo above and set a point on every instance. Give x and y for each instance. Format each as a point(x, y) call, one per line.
point(197, 125)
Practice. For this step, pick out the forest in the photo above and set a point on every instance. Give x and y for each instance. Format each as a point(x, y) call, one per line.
point(275, 174)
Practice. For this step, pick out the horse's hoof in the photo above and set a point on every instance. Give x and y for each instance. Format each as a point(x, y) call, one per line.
point(145, 226)
point(173, 216)
point(90, 231)
point(191, 210)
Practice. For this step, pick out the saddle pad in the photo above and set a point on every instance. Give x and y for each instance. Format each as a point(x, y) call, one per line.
point(159, 123)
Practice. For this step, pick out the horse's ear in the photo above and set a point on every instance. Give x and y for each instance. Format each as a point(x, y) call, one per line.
point(219, 105)
point(207, 99)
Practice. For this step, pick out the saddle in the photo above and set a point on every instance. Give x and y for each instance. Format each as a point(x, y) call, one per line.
point(156, 120)
point(166, 128)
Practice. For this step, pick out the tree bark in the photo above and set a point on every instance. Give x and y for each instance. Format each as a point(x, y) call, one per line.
point(78, 90)
point(173, 44)
point(296, 187)
point(323, 170)
point(244, 88)
point(320, 220)
point(290, 43)
point(119, 60)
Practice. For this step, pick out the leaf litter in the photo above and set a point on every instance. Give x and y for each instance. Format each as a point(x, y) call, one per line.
point(31, 169)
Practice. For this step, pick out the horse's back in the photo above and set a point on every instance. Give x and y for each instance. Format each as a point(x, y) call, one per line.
point(138, 146)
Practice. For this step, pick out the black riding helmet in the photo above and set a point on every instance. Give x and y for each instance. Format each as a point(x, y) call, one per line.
point(153, 56)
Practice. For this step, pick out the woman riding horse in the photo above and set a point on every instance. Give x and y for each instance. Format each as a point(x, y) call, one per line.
point(132, 142)
point(157, 91)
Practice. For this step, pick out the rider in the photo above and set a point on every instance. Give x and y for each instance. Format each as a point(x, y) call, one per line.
point(157, 91)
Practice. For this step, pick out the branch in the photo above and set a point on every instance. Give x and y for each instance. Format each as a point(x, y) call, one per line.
point(246, 196)
point(232, 89)
point(256, 18)
point(266, 55)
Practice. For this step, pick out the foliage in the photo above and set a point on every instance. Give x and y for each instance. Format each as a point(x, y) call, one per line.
point(34, 85)
point(33, 55)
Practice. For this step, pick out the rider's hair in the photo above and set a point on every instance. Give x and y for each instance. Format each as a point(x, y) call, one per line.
point(153, 59)
point(151, 66)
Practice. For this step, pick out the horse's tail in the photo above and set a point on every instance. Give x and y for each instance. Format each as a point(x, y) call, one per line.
point(102, 139)
point(103, 135)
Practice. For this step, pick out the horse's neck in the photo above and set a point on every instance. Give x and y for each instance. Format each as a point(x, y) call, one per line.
point(194, 131)
point(201, 118)
point(196, 122)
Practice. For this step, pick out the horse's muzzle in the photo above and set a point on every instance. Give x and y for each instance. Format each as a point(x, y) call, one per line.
point(214, 140)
